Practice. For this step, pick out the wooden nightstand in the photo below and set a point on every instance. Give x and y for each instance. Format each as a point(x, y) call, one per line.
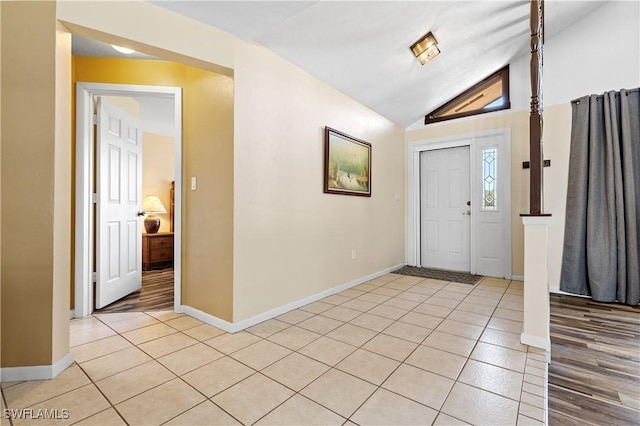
point(157, 250)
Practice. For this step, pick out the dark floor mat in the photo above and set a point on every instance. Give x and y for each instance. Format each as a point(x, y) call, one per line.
point(440, 274)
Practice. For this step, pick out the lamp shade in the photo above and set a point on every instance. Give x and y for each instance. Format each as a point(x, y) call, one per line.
point(153, 205)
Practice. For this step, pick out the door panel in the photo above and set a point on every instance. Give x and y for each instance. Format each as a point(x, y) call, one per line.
point(455, 237)
point(445, 226)
point(113, 250)
point(119, 183)
point(487, 232)
point(492, 206)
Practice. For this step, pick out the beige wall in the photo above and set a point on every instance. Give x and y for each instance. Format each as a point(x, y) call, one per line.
point(207, 152)
point(158, 157)
point(557, 136)
point(35, 169)
point(284, 220)
point(292, 240)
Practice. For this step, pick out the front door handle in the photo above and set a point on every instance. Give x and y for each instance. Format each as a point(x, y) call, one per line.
point(468, 213)
point(140, 214)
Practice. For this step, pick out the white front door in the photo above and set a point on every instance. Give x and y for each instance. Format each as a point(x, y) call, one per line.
point(119, 189)
point(444, 209)
point(489, 162)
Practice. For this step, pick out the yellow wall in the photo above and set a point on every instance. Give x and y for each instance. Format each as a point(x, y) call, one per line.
point(207, 152)
point(36, 186)
point(158, 171)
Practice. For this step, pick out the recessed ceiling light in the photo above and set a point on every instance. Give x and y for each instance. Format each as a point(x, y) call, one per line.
point(124, 50)
point(426, 48)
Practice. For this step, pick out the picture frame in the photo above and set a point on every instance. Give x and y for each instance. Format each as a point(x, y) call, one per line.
point(347, 164)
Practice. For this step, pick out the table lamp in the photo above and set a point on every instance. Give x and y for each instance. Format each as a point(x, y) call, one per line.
point(152, 206)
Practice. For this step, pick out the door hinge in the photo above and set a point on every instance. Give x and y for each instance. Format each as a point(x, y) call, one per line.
point(94, 277)
point(94, 119)
point(94, 198)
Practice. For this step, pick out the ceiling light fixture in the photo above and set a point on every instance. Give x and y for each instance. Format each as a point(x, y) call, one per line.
point(124, 50)
point(425, 49)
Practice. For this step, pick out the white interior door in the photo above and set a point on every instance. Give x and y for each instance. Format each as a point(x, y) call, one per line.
point(119, 188)
point(445, 232)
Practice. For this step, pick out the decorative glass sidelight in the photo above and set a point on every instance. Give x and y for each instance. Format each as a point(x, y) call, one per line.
point(489, 179)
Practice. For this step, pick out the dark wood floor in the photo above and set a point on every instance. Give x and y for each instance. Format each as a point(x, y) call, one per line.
point(156, 294)
point(594, 375)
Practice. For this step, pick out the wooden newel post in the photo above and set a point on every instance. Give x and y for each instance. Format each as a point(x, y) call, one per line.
point(536, 313)
point(535, 119)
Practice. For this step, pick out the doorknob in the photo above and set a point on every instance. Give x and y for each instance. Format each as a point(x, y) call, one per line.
point(468, 213)
point(140, 214)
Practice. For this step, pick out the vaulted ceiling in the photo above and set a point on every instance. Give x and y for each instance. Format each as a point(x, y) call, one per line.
point(362, 47)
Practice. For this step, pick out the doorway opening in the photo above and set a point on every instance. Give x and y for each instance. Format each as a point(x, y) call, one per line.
point(110, 182)
point(155, 294)
point(459, 215)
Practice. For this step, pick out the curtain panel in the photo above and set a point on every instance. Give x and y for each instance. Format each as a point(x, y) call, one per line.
point(601, 256)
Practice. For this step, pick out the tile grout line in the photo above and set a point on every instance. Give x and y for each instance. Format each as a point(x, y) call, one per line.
point(153, 359)
point(519, 401)
point(176, 376)
point(347, 418)
point(4, 400)
point(467, 358)
point(111, 405)
point(381, 332)
point(379, 386)
point(343, 322)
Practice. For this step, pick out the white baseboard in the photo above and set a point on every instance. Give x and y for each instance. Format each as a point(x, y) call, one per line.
point(207, 318)
point(556, 290)
point(517, 277)
point(536, 341)
point(38, 372)
point(72, 314)
point(246, 323)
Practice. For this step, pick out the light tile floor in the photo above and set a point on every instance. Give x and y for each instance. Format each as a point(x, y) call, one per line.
point(393, 351)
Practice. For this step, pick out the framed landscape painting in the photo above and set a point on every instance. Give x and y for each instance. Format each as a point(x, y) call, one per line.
point(347, 164)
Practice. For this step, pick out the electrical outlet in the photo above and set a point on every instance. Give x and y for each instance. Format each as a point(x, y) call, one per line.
point(354, 254)
point(193, 183)
point(527, 165)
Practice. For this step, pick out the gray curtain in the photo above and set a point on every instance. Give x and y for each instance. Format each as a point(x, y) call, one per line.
point(601, 255)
